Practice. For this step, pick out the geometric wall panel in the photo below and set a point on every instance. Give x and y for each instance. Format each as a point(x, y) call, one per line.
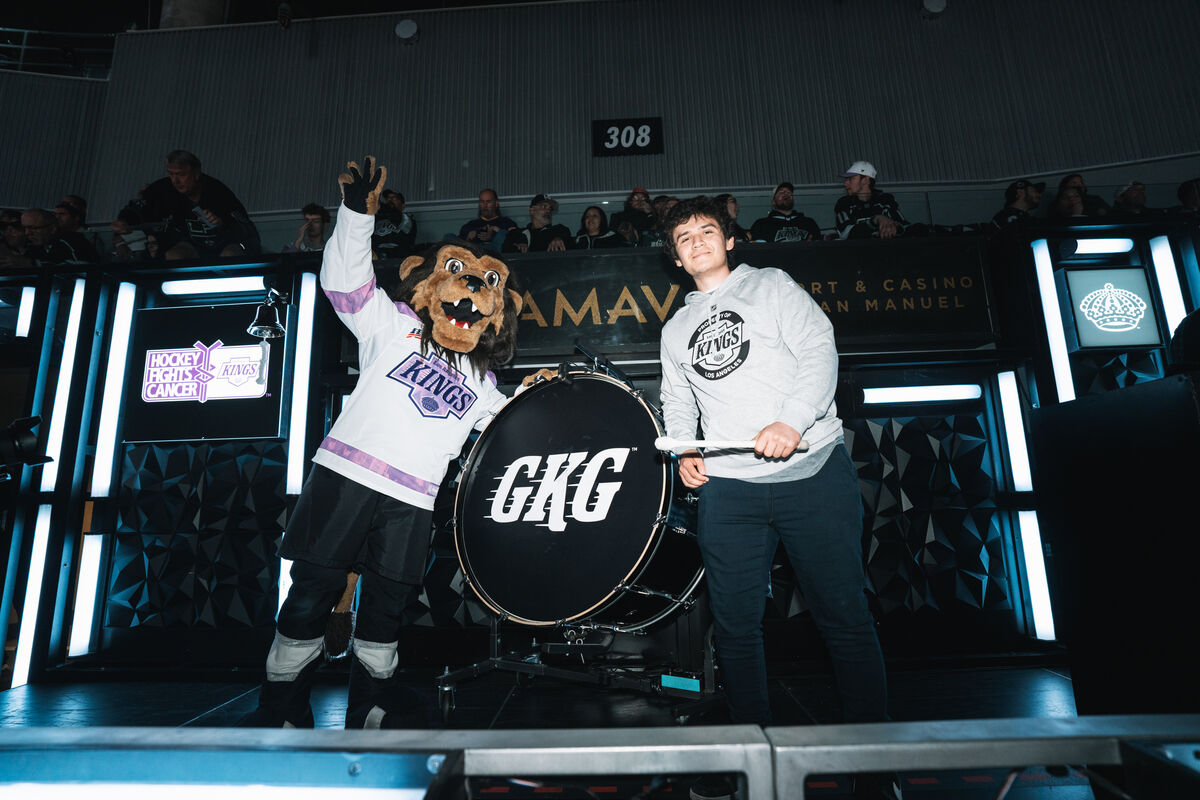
point(1096, 372)
point(933, 542)
point(197, 528)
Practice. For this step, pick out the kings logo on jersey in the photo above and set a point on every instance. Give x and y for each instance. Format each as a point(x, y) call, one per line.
point(719, 346)
point(435, 388)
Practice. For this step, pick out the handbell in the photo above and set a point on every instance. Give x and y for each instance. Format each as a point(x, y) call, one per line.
point(266, 322)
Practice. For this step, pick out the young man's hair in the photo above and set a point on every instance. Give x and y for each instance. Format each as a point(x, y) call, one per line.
point(700, 206)
point(317, 210)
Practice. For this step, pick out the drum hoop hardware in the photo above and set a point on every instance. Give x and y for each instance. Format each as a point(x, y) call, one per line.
point(645, 591)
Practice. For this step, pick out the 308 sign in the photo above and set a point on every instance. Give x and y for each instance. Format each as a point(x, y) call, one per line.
point(627, 137)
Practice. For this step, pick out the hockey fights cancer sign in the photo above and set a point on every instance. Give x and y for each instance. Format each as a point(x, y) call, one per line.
point(195, 373)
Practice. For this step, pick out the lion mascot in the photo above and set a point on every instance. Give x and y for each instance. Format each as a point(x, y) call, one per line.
point(367, 505)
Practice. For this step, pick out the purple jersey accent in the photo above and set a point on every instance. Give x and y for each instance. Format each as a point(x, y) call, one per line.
point(404, 309)
point(379, 467)
point(491, 376)
point(351, 302)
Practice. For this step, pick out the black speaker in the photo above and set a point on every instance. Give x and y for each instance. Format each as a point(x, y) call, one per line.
point(1117, 477)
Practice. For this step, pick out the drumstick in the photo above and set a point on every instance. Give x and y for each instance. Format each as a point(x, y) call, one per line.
point(667, 443)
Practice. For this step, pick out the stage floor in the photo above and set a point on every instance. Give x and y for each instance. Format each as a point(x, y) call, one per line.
point(801, 696)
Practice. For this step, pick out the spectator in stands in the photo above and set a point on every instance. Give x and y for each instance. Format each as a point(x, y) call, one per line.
point(1021, 199)
point(490, 228)
point(311, 236)
point(783, 223)
point(68, 218)
point(71, 215)
point(594, 232)
point(46, 246)
point(730, 203)
point(1093, 206)
point(1068, 203)
point(13, 246)
point(659, 205)
point(636, 217)
point(866, 211)
point(201, 217)
point(79, 203)
point(656, 236)
point(395, 229)
point(1131, 199)
point(541, 234)
point(1189, 198)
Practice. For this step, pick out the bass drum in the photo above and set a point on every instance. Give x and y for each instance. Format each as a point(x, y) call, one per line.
point(565, 511)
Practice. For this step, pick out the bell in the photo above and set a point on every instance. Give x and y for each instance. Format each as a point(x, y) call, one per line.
point(266, 322)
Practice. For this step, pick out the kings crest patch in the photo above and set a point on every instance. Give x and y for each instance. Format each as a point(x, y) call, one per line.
point(718, 348)
point(435, 388)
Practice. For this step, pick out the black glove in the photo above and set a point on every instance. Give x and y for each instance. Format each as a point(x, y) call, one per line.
point(361, 193)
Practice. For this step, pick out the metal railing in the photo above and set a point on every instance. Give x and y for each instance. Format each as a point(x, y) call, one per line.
point(81, 55)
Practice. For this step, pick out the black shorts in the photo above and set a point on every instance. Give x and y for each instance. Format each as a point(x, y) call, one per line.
point(342, 524)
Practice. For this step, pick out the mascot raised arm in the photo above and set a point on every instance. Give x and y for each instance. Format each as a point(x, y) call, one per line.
point(367, 505)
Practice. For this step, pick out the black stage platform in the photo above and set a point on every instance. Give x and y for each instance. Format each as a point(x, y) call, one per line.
point(1016, 687)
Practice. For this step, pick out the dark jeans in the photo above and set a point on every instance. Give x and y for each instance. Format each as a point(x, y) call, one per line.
point(819, 520)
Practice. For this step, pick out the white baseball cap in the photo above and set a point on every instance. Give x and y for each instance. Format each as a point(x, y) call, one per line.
point(860, 168)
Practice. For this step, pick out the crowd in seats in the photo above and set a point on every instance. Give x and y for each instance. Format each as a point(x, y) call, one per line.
point(189, 214)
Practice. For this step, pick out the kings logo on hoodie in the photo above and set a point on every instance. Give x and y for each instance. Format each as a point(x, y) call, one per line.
point(719, 345)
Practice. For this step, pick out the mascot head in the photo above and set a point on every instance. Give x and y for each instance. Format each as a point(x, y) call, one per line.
point(465, 299)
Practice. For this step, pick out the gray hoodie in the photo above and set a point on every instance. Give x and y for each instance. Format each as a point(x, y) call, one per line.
point(755, 350)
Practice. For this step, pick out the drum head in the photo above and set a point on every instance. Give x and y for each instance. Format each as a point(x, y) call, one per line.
point(559, 500)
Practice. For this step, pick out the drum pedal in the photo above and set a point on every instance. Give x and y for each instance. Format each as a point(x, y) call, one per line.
point(575, 648)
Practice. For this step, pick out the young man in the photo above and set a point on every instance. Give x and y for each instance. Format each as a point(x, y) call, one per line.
point(783, 223)
point(751, 356)
point(865, 211)
point(1021, 199)
point(311, 236)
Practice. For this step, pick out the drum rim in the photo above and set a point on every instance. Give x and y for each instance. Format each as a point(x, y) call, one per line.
point(656, 529)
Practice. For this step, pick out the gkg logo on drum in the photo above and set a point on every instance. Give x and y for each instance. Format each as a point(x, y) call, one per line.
point(522, 477)
point(435, 387)
point(718, 349)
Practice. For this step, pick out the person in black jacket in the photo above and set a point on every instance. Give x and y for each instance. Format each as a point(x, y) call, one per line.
point(594, 232)
point(865, 211)
point(1021, 198)
point(199, 216)
point(541, 234)
point(783, 223)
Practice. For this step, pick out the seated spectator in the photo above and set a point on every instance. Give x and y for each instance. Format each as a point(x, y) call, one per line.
point(12, 248)
point(541, 234)
point(865, 211)
point(636, 217)
point(1068, 203)
point(77, 202)
point(311, 237)
point(656, 236)
point(594, 232)
point(1189, 198)
point(201, 217)
point(783, 223)
point(395, 229)
point(731, 205)
point(47, 247)
point(1093, 206)
point(1131, 199)
point(1021, 199)
point(490, 228)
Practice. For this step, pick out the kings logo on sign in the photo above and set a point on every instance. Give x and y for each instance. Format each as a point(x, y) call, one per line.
point(719, 345)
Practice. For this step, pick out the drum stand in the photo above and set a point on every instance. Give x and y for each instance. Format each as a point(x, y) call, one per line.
point(530, 663)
